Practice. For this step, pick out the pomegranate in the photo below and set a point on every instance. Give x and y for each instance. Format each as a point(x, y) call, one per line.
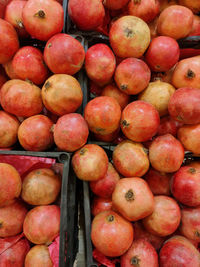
point(168, 126)
point(21, 98)
point(159, 182)
point(187, 73)
point(107, 137)
point(175, 21)
point(185, 186)
point(70, 132)
point(12, 218)
point(100, 204)
point(158, 94)
point(10, 184)
point(30, 56)
point(42, 224)
point(43, 18)
point(162, 54)
point(147, 10)
point(163, 148)
point(129, 83)
point(64, 54)
point(115, 5)
point(38, 256)
point(103, 115)
point(196, 26)
point(90, 163)
point(193, 5)
point(133, 199)
point(178, 251)
point(163, 76)
point(139, 121)
point(165, 218)
point(87, 14)
point(130, 159)
point(9, 41)
point(129, 37)
point(141, 253)
point(105, 186)
point(68, 93)
point(9, 69)
point(111, 234)
point(100, 64)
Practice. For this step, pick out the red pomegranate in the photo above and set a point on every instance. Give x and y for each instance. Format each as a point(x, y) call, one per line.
point(133, 199)
point(129, 37)
point(68, 92)
point(193, 5)
point(168, 126)
point(43, 18)
point(115, 5)
point(139, 121)
point(103, 115)
point(196, 26)
point(90, 163)
point(100, 204)
point(163, 148)
point(64, 54)
point(9, 41)
point(165, 218)
point(111, 234)
point(129, 83)
point(42, 224)
point(9, 69)
point(12, 219)
point(100, 64)
point(38, 256)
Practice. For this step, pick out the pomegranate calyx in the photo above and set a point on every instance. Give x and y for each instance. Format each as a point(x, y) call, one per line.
point(110, 218)
point(129, 195)
point(192, 170)
point(124, 86)
point(146, 151)
point(125, 123)
point(128, 32)
point(83, 151)
point(20, 24)
point(190, 74)
point(197, 233)
point(135, 261)
point(40, 14)
point(29, 81)
point(49, 45)
point(137, 2)
point(47, 85)
point(52, 128)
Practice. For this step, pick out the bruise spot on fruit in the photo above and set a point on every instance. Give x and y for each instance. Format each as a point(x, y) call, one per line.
point(1, 224)
point(129, 195)
point(192, 170)
point(146, 151)
point(135, 261)
point(137, 1)
point(128, 32)
point(197, 234)
point(83, 151)
point(20, 24)
point(110, 218)
point(100, 129)
point(124, 86)
point(47, 85)
point(49, 45)
point(190, 74)
point(40, 14)
point(125, 123)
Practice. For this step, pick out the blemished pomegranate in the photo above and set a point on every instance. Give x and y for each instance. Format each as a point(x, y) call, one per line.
point(105, 186)
point(115, 5)
point(185, 186)
point(163, 148)
point(141, 253)
point(165, 218)
point(133, 199)
point(70, 132)
point(12, 219)
point(100, 204)
point(129, 83)
point(41, 187)
point(9, 70)
point(42, 224)
point(90, 163)
point(43, 18)
point(111, 234)
point(168, 126)
point(9, 41)
point(103, 115)
point(178, 251)
point(130, 159)
point(129, 37)
point(38, 256)
point(64, 54)
point(193, 5)
point(11, 184)
point(68, 92)
point(139, 121)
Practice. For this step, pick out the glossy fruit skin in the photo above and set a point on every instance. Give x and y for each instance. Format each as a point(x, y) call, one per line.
point(141, 252)
point(100, 204)
point(38, 256)
point(168, 126)
point(105, 186)
point(178, 251)
point(9, 41)
point(119, 233)
point(69, 95)
point(70, 132)
point(125, 80)
point(87, 15)
point(185, 186)
point(12, 218)
point(139, 121)
point(130, 159)
point(163, 147)
point(175, 17)
point(64, 54)
point(158, 94)
point(90, 163)
point(103, 115)
point(100, 64)
point(193, 5)
point(133, 199)
point(39, 228)
point(162, 54)
point(126, 34)
point(43, 18)
point(165, 218)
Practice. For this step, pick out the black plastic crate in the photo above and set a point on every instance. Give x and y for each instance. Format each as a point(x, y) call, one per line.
point(68, 205)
